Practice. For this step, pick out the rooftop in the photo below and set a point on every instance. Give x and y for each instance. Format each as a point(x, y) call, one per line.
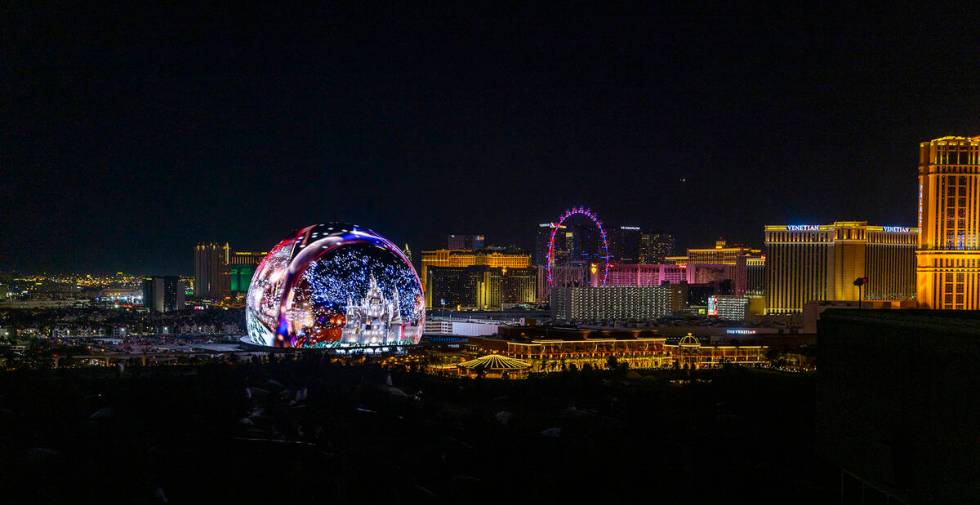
point(948, 321)
point(954, 138)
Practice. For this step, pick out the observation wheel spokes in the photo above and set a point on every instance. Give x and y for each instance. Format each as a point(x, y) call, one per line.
point(604, 253)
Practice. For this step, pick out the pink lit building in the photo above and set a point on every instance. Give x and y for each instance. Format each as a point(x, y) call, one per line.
point(640, 274)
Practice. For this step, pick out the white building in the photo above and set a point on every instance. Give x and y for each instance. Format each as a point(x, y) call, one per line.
point(463, 328)
point(619, 303)
point(729, 308)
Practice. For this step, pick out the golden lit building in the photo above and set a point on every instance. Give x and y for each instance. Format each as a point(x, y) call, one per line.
point(478, 280)
point(948, 255)
point(689, 353)
point(821, 262)
point(755, 270)
point(723, 261)
point(550, 355)
point(466, 258)
point(889, 263)
point(721, 254)
point(554, 355)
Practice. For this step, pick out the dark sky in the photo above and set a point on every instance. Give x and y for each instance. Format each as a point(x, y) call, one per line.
point(128, 136)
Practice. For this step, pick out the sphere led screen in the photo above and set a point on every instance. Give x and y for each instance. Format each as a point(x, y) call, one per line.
point(335, 285)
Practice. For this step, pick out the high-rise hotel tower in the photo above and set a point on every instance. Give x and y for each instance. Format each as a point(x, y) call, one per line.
point(211, 270)
point(821, 262)
point(948, 256)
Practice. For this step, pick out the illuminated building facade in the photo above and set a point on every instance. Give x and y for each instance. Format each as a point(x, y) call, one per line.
point(889, 263)
point(639, 352)
point(480, 287)
point(163, 294)
point(210, 269)
point(241, 268)
point(573, 275)
point(461, 327)
point(549, 355)
point(728, 308)
point(541, 238)
point(698, 295)
point(755, 270)
point(466, 242)
point(462, 258)
point(689, 353)
point(617, 303)
point(821, 262)
point(721, 262)
point(948, 255)
point(518, 286)
point(656, 247)
point(624, 244)
point(453, 287)
point(711, 273)
point(721, 254)
point(641, 274)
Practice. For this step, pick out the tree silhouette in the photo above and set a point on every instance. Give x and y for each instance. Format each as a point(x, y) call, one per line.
point(612, 363)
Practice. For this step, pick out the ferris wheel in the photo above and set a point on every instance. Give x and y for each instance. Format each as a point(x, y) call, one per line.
point(604, 242)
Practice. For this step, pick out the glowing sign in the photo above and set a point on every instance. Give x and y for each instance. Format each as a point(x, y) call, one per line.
point(920, 204)
point(636, 228)
point(803, 227)
point(739, 331)
point(897, 229)
point(712, 305)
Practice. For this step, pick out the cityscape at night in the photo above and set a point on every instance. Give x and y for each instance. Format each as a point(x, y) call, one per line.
point(486, 253)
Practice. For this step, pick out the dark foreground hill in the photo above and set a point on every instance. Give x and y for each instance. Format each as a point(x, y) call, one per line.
point(316, 432)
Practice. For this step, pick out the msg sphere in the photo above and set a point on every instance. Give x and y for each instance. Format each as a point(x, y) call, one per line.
point(337, 286)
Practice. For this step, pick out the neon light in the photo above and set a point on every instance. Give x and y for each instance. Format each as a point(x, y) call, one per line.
point(739, 331)
point(896, 229)
point(803, 227)
point(580, 211)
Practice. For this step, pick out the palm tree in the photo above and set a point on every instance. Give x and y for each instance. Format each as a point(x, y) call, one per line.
point(612, 363)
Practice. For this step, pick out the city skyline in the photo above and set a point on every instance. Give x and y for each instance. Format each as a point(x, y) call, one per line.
point(688, 252)
point(121, 160)
point(191, 268)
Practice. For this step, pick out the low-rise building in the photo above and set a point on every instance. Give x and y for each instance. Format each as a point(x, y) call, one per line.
point(461, 327)
point(595, 348)
point(728, 308)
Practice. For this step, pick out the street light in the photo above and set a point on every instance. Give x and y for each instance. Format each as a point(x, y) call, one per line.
point(860, 282)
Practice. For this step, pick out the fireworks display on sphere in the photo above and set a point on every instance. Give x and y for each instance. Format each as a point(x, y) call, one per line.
point(335, 285)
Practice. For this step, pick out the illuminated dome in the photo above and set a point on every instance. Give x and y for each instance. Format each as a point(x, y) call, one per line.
point(338, 286)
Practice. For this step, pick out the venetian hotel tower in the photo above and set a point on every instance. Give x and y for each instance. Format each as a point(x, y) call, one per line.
point(948, 255)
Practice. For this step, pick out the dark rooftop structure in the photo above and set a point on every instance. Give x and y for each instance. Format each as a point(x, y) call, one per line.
point(898, 404)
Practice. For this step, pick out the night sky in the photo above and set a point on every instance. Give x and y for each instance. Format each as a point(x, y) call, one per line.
point(128, 136)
